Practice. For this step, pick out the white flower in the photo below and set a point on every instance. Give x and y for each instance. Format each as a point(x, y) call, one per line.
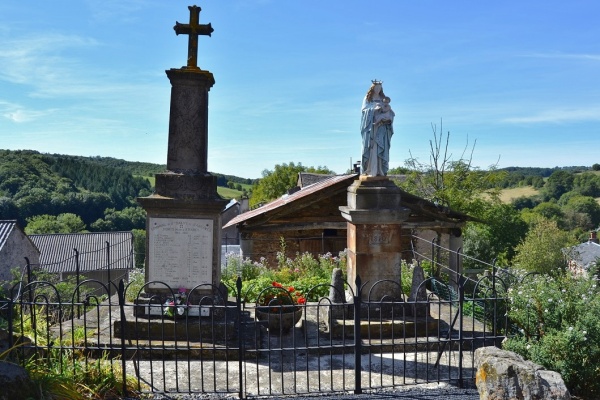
point(528, 346)
point(584, 332)
point(549, 300)
point(570, 328)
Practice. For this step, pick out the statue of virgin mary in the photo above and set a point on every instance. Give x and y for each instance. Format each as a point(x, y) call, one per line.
point(376, 130)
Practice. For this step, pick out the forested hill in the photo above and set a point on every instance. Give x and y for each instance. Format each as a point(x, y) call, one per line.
point(98, 190)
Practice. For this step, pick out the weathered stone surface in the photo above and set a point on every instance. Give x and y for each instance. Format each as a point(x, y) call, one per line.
point(418, 293)
point(506, 375)
point(15, 382)
point(336, 290)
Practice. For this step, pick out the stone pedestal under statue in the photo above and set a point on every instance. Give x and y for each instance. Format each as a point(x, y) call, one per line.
point(375, 216)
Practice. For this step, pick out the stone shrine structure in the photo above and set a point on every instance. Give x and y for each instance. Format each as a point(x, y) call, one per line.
point(374, 216)
point(183, 215)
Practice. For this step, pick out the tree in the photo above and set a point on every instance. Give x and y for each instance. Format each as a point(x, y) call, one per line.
point(139, 247)
point(585, 205)
point(502, 230)
point(523, 202)
point(596, 167)
point(123, 220)
point(587, 184)
point(63, 223)
point(542, 250)
point(453, 183)
point(559, 183)
point(277, 182)
point(549, 210)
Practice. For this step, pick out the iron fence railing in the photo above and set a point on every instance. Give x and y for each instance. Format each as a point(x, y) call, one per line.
point(221, 344)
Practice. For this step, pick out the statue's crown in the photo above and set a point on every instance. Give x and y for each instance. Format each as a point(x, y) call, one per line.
point(376, 82)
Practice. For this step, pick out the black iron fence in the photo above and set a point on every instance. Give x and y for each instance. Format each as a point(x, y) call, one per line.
point(210, 340)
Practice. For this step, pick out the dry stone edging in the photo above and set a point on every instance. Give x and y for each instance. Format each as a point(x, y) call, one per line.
point(503, 375)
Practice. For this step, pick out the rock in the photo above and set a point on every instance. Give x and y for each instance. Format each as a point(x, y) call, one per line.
point(15, 382)
point(506, 375)
point(418, 294)
point(336, 290)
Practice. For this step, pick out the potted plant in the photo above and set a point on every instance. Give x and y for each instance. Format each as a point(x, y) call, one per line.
point(280, 306)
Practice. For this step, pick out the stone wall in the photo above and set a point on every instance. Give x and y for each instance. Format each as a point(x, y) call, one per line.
point(13, 253)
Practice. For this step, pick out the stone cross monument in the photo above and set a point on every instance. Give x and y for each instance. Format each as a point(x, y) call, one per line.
point(184, 214)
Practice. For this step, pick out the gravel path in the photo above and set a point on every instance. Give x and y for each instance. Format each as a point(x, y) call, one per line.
point(424, 392)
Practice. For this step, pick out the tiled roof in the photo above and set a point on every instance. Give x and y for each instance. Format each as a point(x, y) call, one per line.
point(420, 208)
point(57, 251)
point(285, 199)
point(6, 227)
point(307, 178)
point(586, 253)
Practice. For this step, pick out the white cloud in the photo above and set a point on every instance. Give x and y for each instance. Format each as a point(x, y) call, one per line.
point(19, 116)
point(573, 56)
point(558, 116)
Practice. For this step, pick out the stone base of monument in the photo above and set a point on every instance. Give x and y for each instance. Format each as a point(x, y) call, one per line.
point(385, 320)
point(147, 321)
point(385, 329)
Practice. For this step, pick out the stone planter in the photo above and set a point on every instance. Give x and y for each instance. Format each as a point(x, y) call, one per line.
point(278, 321)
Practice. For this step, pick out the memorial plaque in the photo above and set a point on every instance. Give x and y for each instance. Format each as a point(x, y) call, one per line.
point(180, 252)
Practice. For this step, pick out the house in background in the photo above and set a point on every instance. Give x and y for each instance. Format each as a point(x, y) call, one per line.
point(15, 249)
point(102, 256)
point(230, 235)
point(309, 220)
point(585, 255)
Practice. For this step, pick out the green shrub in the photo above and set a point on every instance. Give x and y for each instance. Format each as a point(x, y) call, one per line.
point(134, 284)
point(309, 275)
point(558, 320)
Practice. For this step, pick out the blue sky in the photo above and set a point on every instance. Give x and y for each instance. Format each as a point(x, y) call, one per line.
point(522, 78)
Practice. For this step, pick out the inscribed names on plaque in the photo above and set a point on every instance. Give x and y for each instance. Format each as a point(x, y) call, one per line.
point(180, 252)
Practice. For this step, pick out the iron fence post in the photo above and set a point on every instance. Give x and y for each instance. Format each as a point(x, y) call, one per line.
point(121, 296)
point(108, 266)
point(30, 295)
point(77, 280)
point(10, 322)
point(238, 305)
point(357, 337)
point(461, 300)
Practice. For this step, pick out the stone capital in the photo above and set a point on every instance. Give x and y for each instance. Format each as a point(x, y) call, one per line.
point(191, 77)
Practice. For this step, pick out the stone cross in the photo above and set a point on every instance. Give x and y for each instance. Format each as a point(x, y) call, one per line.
point(193, 29)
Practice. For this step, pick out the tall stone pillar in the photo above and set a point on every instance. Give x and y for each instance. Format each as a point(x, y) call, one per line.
point(375, 218)
point(183, 240)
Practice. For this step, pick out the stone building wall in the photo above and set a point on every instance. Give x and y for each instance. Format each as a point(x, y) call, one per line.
point(13, 253)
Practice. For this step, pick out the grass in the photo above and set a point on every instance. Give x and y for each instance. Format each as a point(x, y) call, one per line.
point(506, 195)
point(228, 193)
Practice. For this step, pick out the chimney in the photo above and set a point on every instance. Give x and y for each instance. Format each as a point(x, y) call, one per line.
point(593, 237)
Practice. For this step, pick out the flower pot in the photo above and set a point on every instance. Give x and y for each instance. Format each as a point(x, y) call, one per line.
point(278, 321)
